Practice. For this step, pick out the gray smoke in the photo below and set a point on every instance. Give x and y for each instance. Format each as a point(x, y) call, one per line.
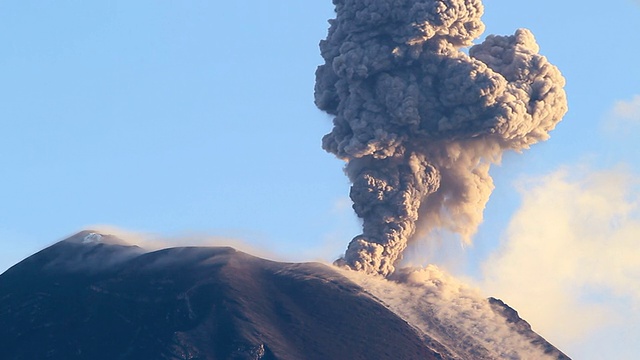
point(419, 121)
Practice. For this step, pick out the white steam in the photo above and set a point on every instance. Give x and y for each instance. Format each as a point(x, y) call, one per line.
point(574, 243)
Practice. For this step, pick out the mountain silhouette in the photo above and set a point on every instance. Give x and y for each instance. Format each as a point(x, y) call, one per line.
point(93, 296)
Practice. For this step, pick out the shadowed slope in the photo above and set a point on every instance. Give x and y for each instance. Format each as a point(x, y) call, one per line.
point(103, 300)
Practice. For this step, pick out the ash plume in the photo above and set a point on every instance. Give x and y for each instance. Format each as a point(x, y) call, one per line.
point(419, 121)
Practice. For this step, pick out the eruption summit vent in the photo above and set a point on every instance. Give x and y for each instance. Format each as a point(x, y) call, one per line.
point(419, 121)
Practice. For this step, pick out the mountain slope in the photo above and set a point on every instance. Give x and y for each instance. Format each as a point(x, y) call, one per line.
point(98, 300)
point(94, 297)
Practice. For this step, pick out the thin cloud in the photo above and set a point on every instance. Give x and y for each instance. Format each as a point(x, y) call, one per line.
point(628, 110)
point(570, 262)
point(624, 113)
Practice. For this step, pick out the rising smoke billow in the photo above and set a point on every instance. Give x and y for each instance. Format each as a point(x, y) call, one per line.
point(419, 121)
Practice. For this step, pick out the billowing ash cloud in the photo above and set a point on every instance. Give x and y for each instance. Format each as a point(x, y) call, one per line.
point(419, 121)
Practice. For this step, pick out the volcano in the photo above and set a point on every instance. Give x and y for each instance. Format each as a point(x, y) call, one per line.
point(93, 296)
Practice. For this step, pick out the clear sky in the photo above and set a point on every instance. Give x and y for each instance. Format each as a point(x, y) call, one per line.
point(197, 118)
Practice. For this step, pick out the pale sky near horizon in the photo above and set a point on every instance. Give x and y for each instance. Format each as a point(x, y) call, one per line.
point(196, 118)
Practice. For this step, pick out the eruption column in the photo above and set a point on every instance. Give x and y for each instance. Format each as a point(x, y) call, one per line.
point(419, 121)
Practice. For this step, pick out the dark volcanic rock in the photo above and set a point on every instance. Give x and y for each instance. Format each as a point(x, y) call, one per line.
point(93, 298)
point(523, 328)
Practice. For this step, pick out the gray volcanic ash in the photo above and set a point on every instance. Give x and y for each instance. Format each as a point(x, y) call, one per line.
point(419, 121)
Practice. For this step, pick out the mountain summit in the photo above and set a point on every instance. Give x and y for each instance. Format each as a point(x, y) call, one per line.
point(92, 296)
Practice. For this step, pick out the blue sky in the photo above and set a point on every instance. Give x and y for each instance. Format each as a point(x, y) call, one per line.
point(197, 118)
